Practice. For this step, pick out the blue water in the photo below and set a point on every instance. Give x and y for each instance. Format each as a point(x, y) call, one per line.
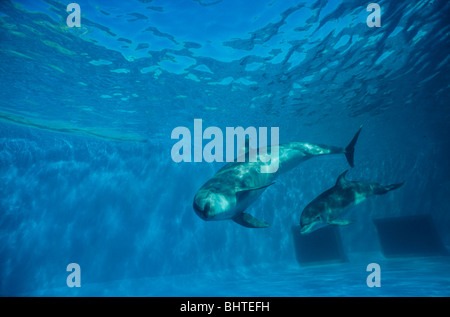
point(86, 115)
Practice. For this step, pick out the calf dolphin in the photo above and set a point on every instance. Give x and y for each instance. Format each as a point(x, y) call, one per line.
point(238, 184)
point(329, 206)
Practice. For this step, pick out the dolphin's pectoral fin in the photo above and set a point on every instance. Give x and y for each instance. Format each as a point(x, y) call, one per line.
point(381, 190)
point(249, 221)
point(340, 222)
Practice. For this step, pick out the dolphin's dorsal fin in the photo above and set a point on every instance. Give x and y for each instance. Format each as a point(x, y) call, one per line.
point(341, 179)
point(249, 221)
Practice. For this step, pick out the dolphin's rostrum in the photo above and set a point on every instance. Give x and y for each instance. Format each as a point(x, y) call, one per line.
point(329, 206)
point(238, 184)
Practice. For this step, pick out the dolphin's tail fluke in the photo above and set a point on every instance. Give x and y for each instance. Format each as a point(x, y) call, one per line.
point(350, 149)
point(384, 189)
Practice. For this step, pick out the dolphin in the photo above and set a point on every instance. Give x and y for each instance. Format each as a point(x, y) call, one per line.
point(329, 206)
point(237, 185)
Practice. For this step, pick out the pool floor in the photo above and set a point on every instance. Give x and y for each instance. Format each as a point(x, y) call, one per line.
point(427, 276)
